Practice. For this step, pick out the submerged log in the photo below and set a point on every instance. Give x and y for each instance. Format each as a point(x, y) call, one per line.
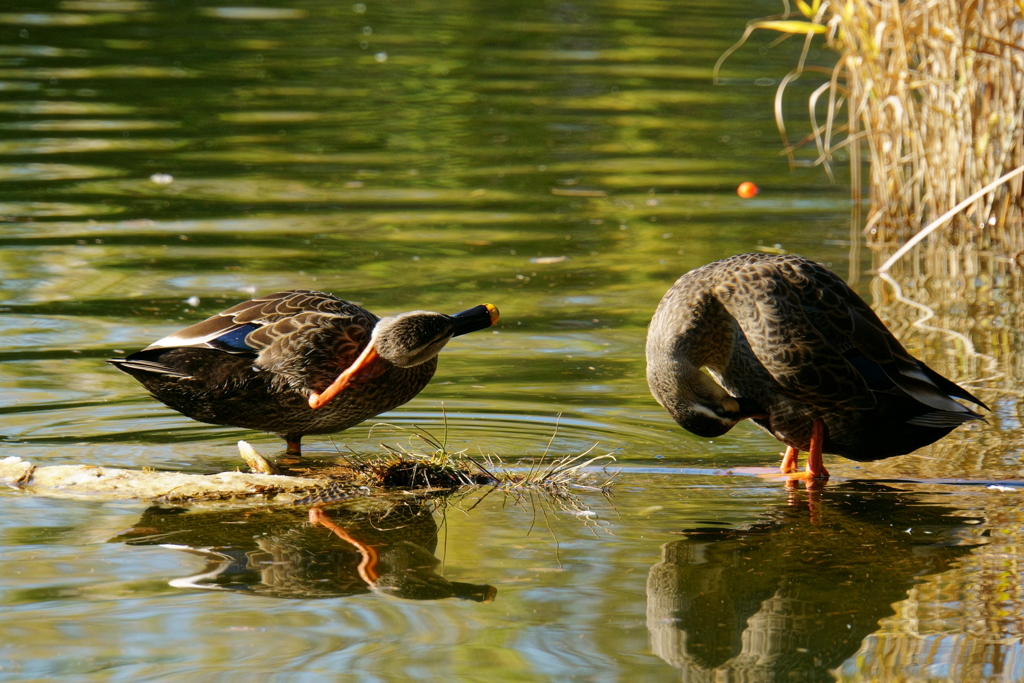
point(116, 483)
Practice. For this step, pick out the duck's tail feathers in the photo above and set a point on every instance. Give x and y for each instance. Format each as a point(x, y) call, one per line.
point(134, 367)
point(951, 388)
point(943, 419)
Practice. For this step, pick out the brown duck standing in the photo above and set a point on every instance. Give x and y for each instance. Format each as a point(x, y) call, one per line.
point(298, 362)
point(797, 351)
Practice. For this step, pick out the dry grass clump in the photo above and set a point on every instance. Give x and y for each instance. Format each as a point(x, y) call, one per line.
point(935, 90)
point(532, 483)
point(426, 465)
point(437, 467)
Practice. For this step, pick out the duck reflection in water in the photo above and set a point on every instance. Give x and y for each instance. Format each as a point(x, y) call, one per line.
point(279, 553)
point(792, 598)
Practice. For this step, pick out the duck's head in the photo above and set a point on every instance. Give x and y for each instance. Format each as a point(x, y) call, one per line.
point(696, 402)
point(405, 341)
point(714, 418)
point(413, 338)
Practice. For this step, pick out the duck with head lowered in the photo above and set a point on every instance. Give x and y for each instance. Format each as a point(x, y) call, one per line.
point(298, 362)
point(790, 346)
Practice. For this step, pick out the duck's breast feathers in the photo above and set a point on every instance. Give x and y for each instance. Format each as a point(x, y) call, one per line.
point(819, 340)
point(257, 324)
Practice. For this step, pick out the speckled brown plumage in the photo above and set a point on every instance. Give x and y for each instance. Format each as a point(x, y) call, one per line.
point(791, 343)
point(256, 364)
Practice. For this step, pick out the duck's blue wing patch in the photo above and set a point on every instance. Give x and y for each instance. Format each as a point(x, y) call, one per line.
point(235, 339)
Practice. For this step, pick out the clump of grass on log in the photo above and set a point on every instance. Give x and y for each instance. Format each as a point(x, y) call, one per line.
point(426, 463)
point(437, 467)
point(935, 91)
point(432, 467)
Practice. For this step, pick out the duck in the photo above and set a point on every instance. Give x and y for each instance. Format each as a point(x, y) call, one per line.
point(298, 362)
point(790, 346)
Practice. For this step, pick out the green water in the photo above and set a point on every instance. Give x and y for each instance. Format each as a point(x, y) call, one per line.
point(160, 161)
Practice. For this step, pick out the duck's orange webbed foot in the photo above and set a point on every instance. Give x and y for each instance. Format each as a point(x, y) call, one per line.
point(815, 464)
point(815, 471)
point(789, 461)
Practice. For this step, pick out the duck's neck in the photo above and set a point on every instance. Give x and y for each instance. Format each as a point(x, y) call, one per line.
point(684, 337)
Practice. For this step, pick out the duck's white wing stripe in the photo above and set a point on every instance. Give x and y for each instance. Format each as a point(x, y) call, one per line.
point(175, 340)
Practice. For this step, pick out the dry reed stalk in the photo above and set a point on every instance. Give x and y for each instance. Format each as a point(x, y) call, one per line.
point(937, 87)
point(935, 91)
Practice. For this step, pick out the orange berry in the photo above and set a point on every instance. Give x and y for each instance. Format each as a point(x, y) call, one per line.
point(747, 190)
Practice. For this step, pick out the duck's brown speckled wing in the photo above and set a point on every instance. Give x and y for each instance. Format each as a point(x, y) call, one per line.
point(871, 339)
point(819, 340)
point(303, 338)
point(797, 328)
point(267, 320)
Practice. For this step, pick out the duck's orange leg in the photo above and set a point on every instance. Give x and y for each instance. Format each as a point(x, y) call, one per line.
point(789, 461)
point(368, 565)
point(294, 445)
point(815, 465)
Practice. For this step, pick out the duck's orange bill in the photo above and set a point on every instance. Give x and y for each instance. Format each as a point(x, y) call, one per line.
point(368, 366)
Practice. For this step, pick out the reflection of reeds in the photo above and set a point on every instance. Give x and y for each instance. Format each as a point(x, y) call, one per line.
point(964, 300)
point(933, 88)
point(963, 624)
